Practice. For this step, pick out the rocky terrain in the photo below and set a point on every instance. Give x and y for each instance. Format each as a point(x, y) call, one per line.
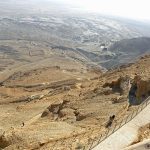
point(67, 77)
point(144, 133)
point(127, 50)
point(37, 111)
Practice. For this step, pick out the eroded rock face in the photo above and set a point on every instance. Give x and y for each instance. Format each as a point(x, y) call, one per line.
point(45, 113)
point(60, 111)
point(80, 116)
point(139, 91)
point(67, 114)
point(122, 85)
point(54, 109)
point(4, 141)
point(143, 87)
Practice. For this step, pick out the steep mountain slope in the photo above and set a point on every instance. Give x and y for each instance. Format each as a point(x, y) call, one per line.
point(127, 51)
point(38, 108)
point(135, 46)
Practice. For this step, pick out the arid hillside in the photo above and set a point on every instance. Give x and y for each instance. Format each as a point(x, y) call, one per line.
point(43, 105)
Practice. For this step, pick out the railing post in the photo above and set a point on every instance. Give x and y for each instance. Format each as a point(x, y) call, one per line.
point(120, 124)
point(91, 145)
point(99, 139)
point(127, 118)
point(114, 128)
point(107, 132)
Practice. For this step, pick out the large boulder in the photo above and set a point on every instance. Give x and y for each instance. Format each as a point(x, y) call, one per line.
point(143, 88)
point(46, 113)
point(139, 90)
point(57, 106)
point(121, 85)
point(80, 115)
point(4, 140)
point(67, 114)
point(61, 111)
point(53, 111)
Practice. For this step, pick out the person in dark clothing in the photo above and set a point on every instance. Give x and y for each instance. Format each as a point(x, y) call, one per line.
point(110, 121)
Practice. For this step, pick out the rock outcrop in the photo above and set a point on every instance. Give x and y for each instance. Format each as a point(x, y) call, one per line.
point(139, 90)
point(4, 141)
point(54, 109)
point(60, 111)
point(142, 87)
point(67, 114)
point(121, 85)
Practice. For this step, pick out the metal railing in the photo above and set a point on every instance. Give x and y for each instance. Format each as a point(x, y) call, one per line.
point(122, 123)
point(77, 141)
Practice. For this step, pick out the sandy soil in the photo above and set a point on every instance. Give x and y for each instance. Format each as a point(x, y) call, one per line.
point(21, 124)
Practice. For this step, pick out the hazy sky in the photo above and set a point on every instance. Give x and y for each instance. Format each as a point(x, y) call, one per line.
point(135, 9)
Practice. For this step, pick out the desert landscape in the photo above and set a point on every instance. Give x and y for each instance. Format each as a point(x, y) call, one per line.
point(35, 111)
point(65, 79)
